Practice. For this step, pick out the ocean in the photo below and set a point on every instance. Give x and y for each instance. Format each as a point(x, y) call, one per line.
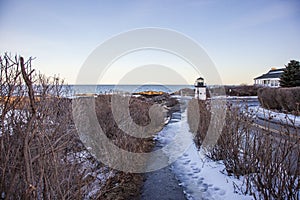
point(109, 89)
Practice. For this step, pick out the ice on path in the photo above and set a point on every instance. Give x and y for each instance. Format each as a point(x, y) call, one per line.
point(200, 177)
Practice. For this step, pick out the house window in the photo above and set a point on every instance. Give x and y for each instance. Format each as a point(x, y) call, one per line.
point(272, 83)
point(266, 82)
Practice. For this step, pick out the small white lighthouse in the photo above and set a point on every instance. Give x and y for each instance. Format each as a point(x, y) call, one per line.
point(200, 89)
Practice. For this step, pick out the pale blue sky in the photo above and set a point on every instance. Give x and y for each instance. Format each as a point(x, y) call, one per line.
point(243, 38)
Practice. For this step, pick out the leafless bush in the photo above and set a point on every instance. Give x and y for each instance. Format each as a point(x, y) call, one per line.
point(242, 90)
point(278, 168)
point(283, 99)
point(289, 99)
point(40, 153)
point(34, 135)
point(128, 184)
point(267, 98)
point(139, 112)
point(270, 164)
point(198, 119)
point(41, 156)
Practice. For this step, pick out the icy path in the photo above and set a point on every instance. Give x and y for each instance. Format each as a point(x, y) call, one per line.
point(200, 177)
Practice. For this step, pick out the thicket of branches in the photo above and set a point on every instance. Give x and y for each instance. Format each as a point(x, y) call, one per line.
point(41, 156)
point(35, 135)
point(270, 164)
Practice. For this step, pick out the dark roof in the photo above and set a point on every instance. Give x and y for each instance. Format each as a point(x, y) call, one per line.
point(273, 73)
point(277, 75)
point(276, 70)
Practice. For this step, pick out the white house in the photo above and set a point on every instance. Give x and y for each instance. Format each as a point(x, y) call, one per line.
point(270, 79)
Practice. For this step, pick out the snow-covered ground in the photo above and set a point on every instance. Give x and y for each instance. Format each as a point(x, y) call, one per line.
point(200, 177)
point(276, 117)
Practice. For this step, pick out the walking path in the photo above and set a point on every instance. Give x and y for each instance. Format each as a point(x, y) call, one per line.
point(190, 175)
point(163, 185)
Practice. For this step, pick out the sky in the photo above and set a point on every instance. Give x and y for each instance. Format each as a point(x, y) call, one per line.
point(244, 39)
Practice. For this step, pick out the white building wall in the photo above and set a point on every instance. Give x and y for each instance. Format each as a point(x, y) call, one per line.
point(271, 82)
point(200, 93)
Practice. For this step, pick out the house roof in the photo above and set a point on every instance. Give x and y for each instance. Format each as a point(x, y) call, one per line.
point(273, 73)
point(277, 70)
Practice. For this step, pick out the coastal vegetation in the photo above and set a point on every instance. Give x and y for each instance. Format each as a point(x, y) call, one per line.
point(41, 154)
point(269, 165)
point(229, 90)
point(286, 100)
point(235, 90)
point(36, 136)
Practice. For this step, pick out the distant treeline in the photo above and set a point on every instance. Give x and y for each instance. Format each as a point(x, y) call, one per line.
point(241, 90)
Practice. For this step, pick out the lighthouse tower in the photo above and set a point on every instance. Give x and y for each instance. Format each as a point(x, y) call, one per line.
point(200, 89)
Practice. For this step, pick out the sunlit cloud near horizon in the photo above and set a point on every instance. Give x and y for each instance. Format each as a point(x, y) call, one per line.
point(244, 39)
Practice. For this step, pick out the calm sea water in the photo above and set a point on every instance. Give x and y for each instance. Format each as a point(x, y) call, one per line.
point(105, 89)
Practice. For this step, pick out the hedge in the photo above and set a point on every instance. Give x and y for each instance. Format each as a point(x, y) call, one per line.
point(282, 99)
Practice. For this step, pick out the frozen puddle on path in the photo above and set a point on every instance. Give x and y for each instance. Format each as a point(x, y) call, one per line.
point(199, 177)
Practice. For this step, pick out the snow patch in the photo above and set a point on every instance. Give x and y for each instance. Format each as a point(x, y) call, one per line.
point(276, 117)
point(200, 177)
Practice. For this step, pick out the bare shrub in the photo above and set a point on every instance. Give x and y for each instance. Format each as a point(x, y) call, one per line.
point(138, 111)
point(41, 156)
point(268, 162)
point(267, 98)
point(289, 99)
point(198, 121)
point(128, 184)
point(235, 145)
point(35, 134)
point(283, 99)
point(278, 171)
point(242, 90)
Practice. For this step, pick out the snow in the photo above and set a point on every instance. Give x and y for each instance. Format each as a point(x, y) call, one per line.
point(181, 97)
point(200, 177)
point(275, 117)
point(241, 97)
point(91, 169)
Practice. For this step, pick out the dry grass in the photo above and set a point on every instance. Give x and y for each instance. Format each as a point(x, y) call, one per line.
point(122, 186)
point(128, 184)
point(138, 112)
